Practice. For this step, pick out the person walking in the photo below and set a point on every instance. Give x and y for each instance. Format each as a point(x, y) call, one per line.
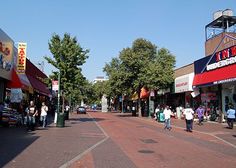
point(43, 116)
point(200, 113)
point(188, 113)
point(230, 116)
point(31, 114)
point(167, 114)
point(157, 110)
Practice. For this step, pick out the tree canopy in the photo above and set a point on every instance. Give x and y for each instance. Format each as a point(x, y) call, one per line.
point(68, 57)
point(141, 65)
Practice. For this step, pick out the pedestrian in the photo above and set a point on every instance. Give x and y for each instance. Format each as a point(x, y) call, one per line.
point(200, 113)
point(188, 113)
point(167, 114)
point(133, 110)
point(32, 112)
point(43, 115)
point(231, 116)
point(157, 110)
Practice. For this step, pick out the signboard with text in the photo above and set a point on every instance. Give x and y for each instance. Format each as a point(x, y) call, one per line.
point(21, 58)
point(6, 56)
point(55, 85)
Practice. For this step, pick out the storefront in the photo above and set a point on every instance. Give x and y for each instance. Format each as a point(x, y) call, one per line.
point(215, 76)
point(183, 90)
point(6, 62)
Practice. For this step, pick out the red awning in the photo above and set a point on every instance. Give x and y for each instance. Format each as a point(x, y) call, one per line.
point(38, 85)
point(15, 81)
point(220, 75)
point(19, 81)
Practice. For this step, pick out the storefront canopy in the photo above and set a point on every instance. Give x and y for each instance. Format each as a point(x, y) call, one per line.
point(216, 69)
point(19, 81)
point(38, 86)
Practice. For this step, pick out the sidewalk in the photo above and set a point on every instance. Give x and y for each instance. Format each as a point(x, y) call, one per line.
point(216, 129)
point(50, 147)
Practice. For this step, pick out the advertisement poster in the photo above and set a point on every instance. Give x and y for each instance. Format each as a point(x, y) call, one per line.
point(55, 85)
point(16, 95)
point(6, 56)
point(21, 58)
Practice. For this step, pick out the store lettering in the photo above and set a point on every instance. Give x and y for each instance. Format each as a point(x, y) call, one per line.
point(223, 58)
point(21, 56)
point(227, 53)
point(5, 51)
point(181, 84)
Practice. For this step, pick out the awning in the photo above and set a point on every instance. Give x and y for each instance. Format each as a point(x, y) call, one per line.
point(220, 67)
point(222, 75)
point(19, 81)
point(38, 86)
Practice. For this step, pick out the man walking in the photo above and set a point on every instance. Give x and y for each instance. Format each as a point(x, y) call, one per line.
point(188, 113)
point(230, 116)
point(167, 114)
point(200, 113)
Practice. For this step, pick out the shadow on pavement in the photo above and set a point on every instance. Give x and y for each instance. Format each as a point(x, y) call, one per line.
point(13, 141)
point(77, 120)
point(126, 115)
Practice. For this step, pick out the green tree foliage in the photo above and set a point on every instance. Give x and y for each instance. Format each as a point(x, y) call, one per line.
point(68, 57)
point(142, 65)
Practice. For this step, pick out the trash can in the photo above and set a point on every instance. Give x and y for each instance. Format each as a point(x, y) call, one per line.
point(61, 120)
point(160, 116)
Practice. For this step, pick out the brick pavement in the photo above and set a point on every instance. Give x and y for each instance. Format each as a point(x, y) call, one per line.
point(130, 142)
point(51, 147)
point(146, 143)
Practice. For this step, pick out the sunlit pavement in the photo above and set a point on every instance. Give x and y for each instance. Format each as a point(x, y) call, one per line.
point(145, 144)
point(105, 140)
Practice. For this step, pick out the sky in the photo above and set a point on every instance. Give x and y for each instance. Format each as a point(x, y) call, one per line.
point(105, 27)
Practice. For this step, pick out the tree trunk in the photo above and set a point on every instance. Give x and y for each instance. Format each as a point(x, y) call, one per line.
point(63, 102)
point(139, 105)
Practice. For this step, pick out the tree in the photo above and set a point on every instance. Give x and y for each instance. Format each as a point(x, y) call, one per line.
point(68, 57)
point(142, 65)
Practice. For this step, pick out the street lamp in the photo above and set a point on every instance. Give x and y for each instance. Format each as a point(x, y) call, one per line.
point(60, 116)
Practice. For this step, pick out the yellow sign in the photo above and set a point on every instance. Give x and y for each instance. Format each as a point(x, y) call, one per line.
point(21, 58)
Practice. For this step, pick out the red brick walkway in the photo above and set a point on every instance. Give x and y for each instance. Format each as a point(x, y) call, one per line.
point(146, 144)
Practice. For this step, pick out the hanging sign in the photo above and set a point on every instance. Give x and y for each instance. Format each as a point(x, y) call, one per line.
point(21, 59)
point(55, 85)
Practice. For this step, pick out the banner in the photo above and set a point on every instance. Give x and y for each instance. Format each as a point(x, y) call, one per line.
point(21, 59)
point(6, 56)
point(55, 85)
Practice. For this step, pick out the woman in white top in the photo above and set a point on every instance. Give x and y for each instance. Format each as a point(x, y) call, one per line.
point(188, 113)
point(43, 116)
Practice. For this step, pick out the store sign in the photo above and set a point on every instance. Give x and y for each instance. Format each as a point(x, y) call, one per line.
point(223, 58)
point(55, 85)
point(21, 59)
point(184, 83)
point(6, 58)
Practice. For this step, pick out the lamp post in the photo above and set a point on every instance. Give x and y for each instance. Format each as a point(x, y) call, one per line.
point(60, 116)
point(58, 94)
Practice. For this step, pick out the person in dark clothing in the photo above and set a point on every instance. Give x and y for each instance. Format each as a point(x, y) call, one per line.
point(32, 112)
